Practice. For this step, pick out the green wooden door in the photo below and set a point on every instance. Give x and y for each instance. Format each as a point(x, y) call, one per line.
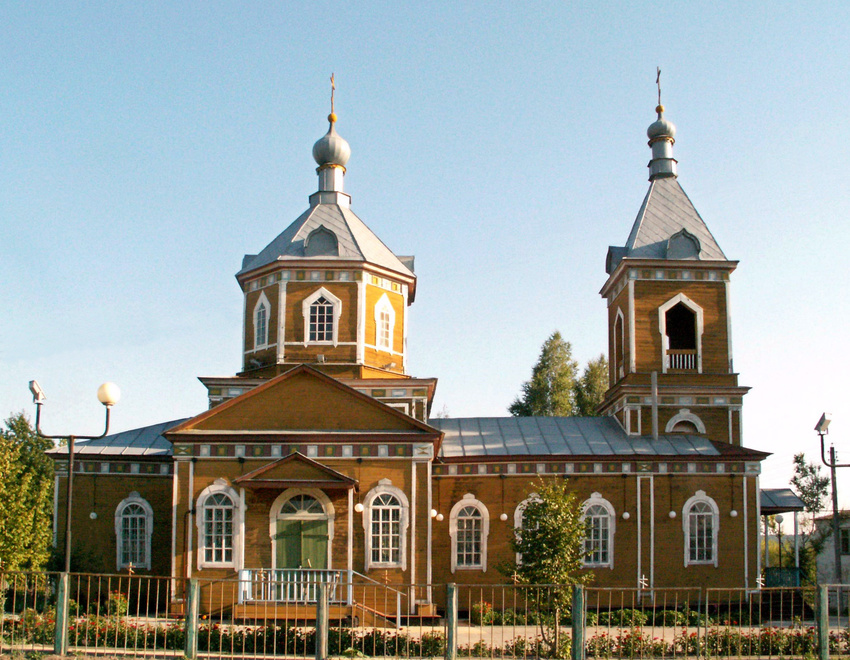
point(301, 544)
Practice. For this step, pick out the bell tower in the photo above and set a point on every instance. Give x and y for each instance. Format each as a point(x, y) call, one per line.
point(326, 291)
point(668, 292)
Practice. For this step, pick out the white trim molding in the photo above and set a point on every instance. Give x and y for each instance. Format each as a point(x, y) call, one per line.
point(336, 305)
point(385, 487)
point(662, 327)
point(619, 368)
point(469, 500)
point(685, 415)
point(700, 498)
point(596, 500)
point(220, 486)
point(133, 499)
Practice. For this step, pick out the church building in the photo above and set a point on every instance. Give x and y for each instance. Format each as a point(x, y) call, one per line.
point(319, 460)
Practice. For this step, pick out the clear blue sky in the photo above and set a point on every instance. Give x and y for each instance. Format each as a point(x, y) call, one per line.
point(145, 147)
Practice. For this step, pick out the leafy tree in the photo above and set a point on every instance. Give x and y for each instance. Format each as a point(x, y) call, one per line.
point(551, 546)
point(810, 486)
point(26, 491)
point(551, 390)
point(590, 389)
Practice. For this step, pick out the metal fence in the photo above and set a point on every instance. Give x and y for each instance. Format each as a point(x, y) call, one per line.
point(356, 616)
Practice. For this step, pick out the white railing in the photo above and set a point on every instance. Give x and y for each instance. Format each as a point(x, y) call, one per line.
point(682, 360)
point(289, 585)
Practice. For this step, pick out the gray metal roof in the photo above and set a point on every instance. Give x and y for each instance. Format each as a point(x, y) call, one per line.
point(355, 240)
point(779, 500)
point(147, 441)
point(558, 436)
point(665, 211)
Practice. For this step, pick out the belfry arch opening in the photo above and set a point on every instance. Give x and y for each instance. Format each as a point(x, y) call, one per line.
point(681, 331)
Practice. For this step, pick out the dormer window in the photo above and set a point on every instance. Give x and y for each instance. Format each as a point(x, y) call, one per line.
point(683, 245)
point(321, 317)
point(681, 324)
point(261, 322)
point(321, 242)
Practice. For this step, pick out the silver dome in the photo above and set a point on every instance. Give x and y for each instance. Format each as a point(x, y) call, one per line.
point(331, 149)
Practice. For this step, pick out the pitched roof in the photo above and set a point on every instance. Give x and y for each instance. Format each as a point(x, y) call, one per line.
point(565, 436)
point(355, 240)
point(147, 442)
point(666, 211)
point(295, 470)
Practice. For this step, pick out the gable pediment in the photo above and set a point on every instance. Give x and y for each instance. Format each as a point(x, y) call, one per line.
point(293, 471)
point(303, 401)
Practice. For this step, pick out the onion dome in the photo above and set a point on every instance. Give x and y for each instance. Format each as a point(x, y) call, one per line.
point(332, 149)
point(661, 128)
point(661, 135)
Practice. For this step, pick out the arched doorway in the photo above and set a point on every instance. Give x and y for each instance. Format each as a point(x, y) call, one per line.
point(301, 527)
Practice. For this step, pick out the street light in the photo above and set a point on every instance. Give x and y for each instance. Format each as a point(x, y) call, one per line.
point(822, 428)
point(778, 518)
point(108, 394)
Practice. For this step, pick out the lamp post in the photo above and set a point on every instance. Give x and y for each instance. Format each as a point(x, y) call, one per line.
point(822, 428)
point(778, 518)
point(108, 394)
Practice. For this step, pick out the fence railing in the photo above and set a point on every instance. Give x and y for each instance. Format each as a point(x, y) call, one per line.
point(141, 616)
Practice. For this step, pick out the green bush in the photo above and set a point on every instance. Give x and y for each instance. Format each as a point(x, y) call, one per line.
point(626, 618)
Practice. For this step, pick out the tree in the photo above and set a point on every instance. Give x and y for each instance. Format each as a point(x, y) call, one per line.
point(810, 486)
point(551, 390)
point(26, 491)
point(550, 544)
point(590, 389)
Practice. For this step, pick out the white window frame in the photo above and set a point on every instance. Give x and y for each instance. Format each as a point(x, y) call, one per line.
point(336, 305)
point(275, 515)
point(596, 499)
point(684, 415)
point(133, 498)
point(262, 301)
point(385, 487)
point(619, 369)
point(469, 500)
point(701, 497)
point(519, 513)
point(219, 486)
point(384, 306)
point(662, 325)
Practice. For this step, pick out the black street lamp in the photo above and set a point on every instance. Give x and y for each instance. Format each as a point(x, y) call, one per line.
point(108, 394)
point(822, 428)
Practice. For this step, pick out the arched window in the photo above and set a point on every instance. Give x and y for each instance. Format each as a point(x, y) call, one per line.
point(701, 521)
point(218, 522)
point(384, 324)
point(321, 242)
point(301, 527)
point(321, 317)
point(519, 519)
point(386, 515)
point(599, 525)
point(685, 422)
point(469, 526)
point(133, 529)
point(680, 321)
point(619, 346)
point(261, 321)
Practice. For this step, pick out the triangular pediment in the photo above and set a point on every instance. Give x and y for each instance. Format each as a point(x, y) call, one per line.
point(293, 471)
point(305, 401)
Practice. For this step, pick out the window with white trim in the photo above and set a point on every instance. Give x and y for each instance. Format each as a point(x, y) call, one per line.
point(261, 321)
point(701, 522)
point(133, 530)
point(386, 514)
point(321, 312)
point(469, 526)
point(218, 523)
point(680, 322)
point(599, 524)
point(384, 324)
point(519, 519)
